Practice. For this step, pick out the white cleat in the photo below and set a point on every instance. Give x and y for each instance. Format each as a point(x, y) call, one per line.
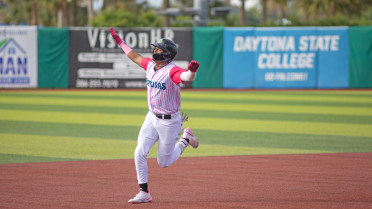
point(193, 141)
point(141, 197)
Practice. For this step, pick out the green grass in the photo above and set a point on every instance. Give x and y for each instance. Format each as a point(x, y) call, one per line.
point(63, 125)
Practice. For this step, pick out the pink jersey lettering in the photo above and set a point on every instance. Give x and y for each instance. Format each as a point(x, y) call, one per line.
point(163, 89)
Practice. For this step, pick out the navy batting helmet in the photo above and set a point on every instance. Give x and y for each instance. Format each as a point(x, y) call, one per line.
point(169, 49)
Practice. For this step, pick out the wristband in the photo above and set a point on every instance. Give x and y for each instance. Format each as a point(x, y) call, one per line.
point(125, 48)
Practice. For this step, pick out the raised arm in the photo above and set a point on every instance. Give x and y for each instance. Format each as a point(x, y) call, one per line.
point(134, 56)
point(191, 73)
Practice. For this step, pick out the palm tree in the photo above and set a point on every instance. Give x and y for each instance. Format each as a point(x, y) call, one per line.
point(90, 12)
point(165, 17)
point(264, 11)
point(34, 12)
point(110, 3)
point(184, 3)
point(74, 13)
point(62, 20)
point(283, 6)
point(242, 13)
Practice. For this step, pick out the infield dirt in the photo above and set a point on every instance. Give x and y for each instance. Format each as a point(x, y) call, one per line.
point(262, 181)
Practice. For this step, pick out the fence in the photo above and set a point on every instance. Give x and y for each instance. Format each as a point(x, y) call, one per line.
point(298, 57)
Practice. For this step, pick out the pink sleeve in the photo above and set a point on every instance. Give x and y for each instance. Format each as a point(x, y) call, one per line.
point(145, 62)
point(175, 74)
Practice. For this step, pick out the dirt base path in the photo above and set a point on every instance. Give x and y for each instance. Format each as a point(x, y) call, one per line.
point(271, 181)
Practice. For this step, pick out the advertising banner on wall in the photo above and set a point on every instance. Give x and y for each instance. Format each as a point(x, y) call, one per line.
point(304, 57)
point(97, 62)
point(238, 64)
point(333, 57)
point(18, 56)
point(282, 61)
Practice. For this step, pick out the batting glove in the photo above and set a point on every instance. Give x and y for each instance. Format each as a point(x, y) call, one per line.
point(116, 36)
point(184, 117)
point(193, 66)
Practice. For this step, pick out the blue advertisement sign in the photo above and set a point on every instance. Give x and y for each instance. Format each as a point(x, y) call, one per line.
point(299, 57)
point(334, 58)
point(282, 61)
point(238, 64)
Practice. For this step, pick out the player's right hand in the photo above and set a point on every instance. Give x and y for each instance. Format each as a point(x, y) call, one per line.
point(116, 36)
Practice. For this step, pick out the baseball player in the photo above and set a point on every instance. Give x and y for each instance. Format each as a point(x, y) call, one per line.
point(163, 122)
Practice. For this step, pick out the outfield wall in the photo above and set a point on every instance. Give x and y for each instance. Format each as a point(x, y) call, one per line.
point(233, 58)
point(360, 69)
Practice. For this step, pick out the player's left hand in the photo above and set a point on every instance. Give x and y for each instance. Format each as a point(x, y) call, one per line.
point(193, 66)
point(116, 36)
point(184, 117)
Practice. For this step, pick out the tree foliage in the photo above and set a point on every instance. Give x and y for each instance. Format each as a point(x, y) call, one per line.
point(328, 8)
point(313, 13)
point(124, 18)
point(331, 12)
point(134, 13)
point(16, 12)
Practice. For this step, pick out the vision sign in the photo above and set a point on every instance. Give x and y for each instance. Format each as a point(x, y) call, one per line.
point(96, 61)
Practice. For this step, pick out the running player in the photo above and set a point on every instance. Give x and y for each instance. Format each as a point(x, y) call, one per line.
point(163, 122)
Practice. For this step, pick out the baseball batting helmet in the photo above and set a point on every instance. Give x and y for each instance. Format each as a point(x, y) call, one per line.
point(169, 49)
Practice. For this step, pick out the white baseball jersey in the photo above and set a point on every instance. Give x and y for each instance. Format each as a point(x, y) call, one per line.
point(164, 97)
point(163, 89)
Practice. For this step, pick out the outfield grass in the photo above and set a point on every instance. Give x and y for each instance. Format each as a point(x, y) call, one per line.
point(61, 125)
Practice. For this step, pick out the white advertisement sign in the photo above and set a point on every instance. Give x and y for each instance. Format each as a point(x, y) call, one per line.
point(18, 56)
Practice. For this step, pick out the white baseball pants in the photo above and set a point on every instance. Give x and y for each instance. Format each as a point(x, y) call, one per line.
point(167, 132)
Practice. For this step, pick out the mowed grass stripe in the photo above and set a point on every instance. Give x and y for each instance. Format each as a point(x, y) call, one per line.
point(219, 98)
point(306, 109)
point(75, 118)
point(97, 149)
point(321, 143)
point(275, 116)
point(279, 98)
point(367, 93)
point(73, 102)
point(13, 158)
point(66, 147)
point(70, 130)
point(70, 108)
point(289, 95)
point(59, 95)
point(280, 102)
point(350, 119)
point(317, 128)
point(79, 92)
point(284, 93)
